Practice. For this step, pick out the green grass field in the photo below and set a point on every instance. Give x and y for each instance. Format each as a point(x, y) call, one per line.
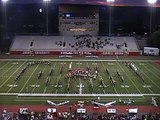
point(28, 81)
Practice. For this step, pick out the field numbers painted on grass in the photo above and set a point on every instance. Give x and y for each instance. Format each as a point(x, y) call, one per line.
point(141, 64)
point(110, 63)
point(12, 85)
point(15, 63)
point(57, 86)
point(79, 63)
point(63, 63)
point(35, 86)
point(147, 86)
point(125, 86)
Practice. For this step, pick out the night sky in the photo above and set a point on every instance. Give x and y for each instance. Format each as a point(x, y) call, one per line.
point(133, 17)
point(95, 2)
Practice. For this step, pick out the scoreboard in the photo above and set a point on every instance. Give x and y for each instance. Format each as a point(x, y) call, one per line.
point(78, 19)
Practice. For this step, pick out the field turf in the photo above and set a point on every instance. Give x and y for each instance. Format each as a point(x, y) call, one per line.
point(28, 81)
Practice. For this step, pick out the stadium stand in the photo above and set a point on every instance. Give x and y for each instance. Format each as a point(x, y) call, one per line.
point(66, 115)
point(58, 45)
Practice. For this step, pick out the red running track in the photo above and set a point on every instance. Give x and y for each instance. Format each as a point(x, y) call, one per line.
point(90, 109)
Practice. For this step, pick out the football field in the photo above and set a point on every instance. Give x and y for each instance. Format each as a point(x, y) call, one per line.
point(38, 80)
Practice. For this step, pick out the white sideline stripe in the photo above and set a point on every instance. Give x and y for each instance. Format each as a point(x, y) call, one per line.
point(79, 98)
point(129, 78)
point(58, 100)
point(140, 95)
point(12, 74)
point(28, 79)
point(68, 95)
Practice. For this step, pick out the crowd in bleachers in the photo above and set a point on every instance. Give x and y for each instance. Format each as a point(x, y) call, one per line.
point(95, 43)
point(76, 42)
point(44, 115)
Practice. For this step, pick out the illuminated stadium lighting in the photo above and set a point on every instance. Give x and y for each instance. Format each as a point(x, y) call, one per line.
point(4, 0)
point(110, 0)
point(46, 0)
point(152, 1)
point(40, 10)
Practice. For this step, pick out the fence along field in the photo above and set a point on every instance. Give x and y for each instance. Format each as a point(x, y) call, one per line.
point(80, 77)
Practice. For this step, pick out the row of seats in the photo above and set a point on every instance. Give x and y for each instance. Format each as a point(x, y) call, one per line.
point(67, 43)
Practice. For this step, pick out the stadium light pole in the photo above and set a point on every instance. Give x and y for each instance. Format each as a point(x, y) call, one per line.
point(110, 15)
point(46, 2)
point(4, 2)
point(151, 4)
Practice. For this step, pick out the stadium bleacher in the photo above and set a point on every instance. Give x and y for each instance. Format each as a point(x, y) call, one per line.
point(50, 45)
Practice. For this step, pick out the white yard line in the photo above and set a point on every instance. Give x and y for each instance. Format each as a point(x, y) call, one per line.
point(104, 70)
point(50, 79)
point(146, 84)
point(149, 78)
point(28, 79)
point(4, 65)
point(129, 77)
point(154, 66)
point(39, 80)
point(155, 69)
point(44, 91)
point(152, 73)
point(2, 75)
point(12, 74)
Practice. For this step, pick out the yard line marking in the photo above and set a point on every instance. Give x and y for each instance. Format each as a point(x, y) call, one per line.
point(145, 83)
point(128, 77)
point(50, 78)
point(2, 75)
point(153, 67)
point(12, 74)
point(152, 73)
point(45, 90)
point(104, 70)
point(148, 77)
point(28, 79)
point(39, 80)
point(4, 65)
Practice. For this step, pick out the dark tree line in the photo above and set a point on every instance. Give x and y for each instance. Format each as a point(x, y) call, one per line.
point(154, 40)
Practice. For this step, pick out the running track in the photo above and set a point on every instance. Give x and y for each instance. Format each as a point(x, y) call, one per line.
point(90, 109)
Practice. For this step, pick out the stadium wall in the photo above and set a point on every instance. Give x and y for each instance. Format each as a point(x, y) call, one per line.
point(75, 53)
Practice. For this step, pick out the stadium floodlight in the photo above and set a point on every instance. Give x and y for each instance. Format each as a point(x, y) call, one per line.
point(46, 0)
point(152, 1)
point(110, 0)
point(151, 5)
point(40, 10)
point(4, 1)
